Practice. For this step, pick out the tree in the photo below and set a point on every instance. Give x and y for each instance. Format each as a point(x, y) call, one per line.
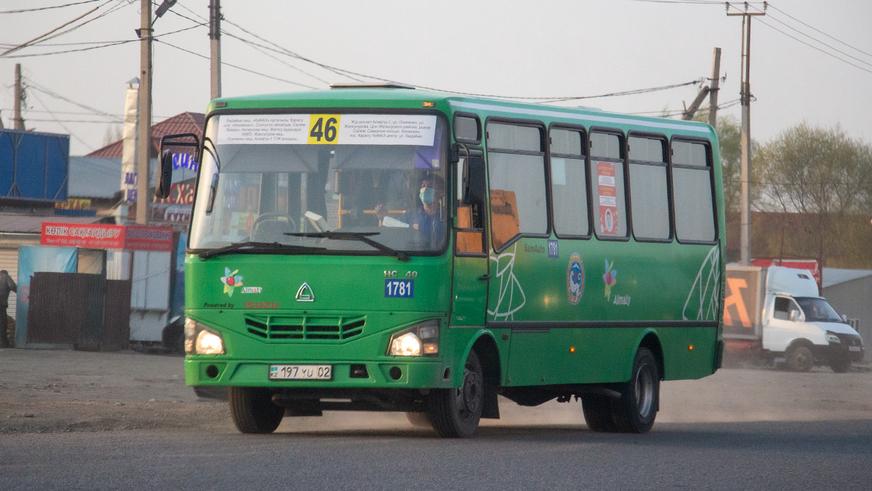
point(821, 174)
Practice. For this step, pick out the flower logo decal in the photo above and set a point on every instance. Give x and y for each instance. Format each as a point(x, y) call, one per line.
point(231, 281)
point(610, 279)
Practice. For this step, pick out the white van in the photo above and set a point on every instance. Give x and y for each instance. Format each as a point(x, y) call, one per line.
point(794, 323)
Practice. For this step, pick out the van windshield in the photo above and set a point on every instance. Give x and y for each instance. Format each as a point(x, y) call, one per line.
point(818, 310)
point(293, 178)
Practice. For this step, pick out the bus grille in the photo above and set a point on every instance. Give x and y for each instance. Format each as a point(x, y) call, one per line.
point(304, 328)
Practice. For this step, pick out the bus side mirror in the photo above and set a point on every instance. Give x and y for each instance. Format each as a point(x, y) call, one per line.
point(793, 316)
point(165, 178)
point(167, 143)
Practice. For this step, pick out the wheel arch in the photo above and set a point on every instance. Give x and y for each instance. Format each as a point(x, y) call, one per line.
point(800, 342)
point(485, 346)
point(651, 340)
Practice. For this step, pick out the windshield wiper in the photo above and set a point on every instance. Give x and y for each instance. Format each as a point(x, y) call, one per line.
point(359, 236)
point(249, 246)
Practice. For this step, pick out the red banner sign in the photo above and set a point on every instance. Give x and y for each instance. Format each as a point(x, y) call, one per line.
point(103, 236)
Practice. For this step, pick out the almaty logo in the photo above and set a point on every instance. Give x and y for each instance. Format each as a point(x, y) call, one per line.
point(610, 279)
point(231, 281)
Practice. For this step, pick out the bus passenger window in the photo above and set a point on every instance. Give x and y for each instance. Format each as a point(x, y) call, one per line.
point(517, 181)
point(568, 182)
point(607, 181)
point(649, 197)
point(692, 191)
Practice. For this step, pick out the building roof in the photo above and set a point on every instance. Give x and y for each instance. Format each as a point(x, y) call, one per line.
point(14, 223)
point(180, 123)
point(836, 276)
point(93, 177)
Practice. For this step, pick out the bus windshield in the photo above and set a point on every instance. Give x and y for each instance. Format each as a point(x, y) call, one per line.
point(319, 179)
point(818, 310)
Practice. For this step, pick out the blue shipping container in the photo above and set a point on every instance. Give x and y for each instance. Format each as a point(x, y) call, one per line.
point(34, 166)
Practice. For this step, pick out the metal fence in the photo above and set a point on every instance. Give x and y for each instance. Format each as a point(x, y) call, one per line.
point(86, 311)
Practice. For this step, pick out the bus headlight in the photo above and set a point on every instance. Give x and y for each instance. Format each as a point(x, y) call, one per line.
point(833, 339)
point(200, 340)
point(419, 340)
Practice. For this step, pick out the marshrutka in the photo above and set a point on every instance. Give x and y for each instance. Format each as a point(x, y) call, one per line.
point(385, 248)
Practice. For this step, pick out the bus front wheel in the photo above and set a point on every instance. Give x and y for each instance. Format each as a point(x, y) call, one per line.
point(455, 413)
point(253, 410)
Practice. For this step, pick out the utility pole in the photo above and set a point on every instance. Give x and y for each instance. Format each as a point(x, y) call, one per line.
point(215, 46)
point(144, 143)
point(745, 231)
point(713, 92)
point(17, 120)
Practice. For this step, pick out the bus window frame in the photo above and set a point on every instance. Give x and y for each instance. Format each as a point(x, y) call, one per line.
point(585, 148)
point(543, 153)
point(461, 114)
point(624, 165)
point(709, 156)
point(477, 152)
point(667, 149)
point(446, 147)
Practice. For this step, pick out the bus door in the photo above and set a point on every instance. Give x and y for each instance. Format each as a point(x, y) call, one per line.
point(470, 254)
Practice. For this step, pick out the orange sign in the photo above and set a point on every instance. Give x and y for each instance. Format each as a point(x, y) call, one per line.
point(608, 198)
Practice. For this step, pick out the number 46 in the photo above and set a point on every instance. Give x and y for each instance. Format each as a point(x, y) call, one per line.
point(324, 130)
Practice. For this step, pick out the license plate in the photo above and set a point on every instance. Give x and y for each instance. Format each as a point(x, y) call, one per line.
point(853, 348)
point(300, 372)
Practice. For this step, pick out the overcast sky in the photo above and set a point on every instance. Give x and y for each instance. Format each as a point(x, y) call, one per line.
point(544, 48)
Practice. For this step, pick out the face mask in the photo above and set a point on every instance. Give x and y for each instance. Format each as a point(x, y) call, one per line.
point(427, 195)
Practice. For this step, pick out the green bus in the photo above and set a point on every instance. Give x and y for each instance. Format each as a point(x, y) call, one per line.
point(382, 248)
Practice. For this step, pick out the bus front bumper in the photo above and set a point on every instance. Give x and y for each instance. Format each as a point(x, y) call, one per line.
point(400, 373)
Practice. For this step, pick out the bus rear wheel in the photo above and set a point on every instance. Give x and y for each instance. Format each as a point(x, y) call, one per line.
point(636, 409)
point(253, 410)
point(455, 413)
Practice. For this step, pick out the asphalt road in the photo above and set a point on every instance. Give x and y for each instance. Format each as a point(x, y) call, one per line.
point(798, 455)
point(71, 420)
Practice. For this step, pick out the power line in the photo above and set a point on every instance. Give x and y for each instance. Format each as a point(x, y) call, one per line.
point(35, 86)
point(614, 94)
point(820, 31)
point(690, 2)
point(244, 69)
point(353, 75)
point(62, 125)
point(770, 26)
point(48, 34)
point(50, 7)
point(258, 47)
point(107, 44)
point(93, 121)
point(819, 41)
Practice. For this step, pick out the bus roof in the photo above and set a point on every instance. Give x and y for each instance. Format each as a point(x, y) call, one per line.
point(394, 97)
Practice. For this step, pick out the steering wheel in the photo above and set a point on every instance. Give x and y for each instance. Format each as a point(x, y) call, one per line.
point(271, 227)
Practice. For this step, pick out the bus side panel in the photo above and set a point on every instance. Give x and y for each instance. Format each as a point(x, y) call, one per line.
point(688, 353)
point(571, 356)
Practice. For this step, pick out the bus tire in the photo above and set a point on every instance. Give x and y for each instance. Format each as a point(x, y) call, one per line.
point(636, 409)
point(253, 411)
point(455, 413)
point(800, 358)
point(597, 409)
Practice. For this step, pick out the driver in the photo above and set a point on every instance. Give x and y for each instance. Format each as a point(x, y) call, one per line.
point(427, 218)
